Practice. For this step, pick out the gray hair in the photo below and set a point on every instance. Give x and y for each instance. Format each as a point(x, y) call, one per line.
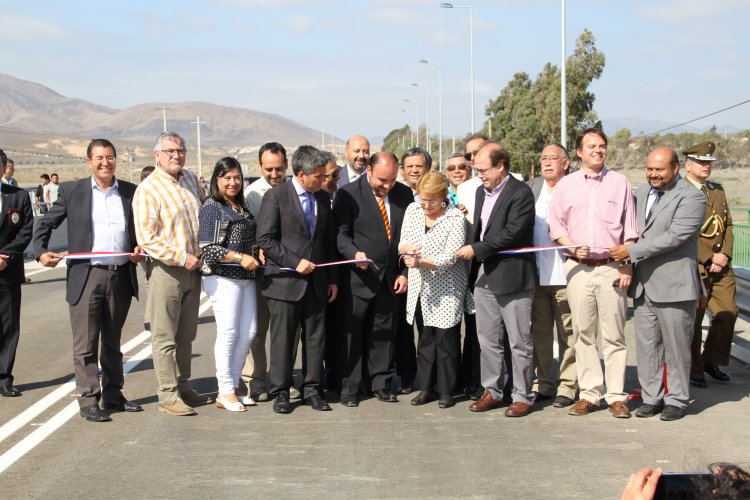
point(167, 135)
point(306, 159)
point(456, 155)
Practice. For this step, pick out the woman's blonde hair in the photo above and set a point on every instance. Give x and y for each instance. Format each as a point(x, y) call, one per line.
point(433, 184)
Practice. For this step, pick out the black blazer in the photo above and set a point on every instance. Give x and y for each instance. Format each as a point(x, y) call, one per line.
point(360, 229)
point(511, 225)
point(74, 203)
point(16, 228)
point(283, 236)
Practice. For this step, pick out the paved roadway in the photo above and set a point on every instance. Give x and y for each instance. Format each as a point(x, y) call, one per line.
point(377, 450)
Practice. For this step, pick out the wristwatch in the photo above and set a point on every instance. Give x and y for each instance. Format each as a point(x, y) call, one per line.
point(237, 258)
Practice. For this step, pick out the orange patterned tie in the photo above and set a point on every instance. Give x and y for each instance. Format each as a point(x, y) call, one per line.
point(384, 214)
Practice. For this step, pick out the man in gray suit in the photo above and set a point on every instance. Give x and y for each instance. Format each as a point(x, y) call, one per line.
point(665, 287)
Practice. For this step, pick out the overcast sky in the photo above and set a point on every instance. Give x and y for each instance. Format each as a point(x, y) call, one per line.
point(347, 66)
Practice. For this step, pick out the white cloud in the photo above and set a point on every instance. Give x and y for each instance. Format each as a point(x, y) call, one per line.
point(298, 23)
point(17, 27)
point(664, 87)
point(715, 73)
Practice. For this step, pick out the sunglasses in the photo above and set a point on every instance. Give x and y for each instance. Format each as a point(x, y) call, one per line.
point(451, 168)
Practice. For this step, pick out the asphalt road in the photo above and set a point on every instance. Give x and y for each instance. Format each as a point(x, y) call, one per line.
point(378, 450)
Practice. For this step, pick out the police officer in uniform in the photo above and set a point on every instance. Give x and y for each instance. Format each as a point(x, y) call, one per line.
point(715, 268)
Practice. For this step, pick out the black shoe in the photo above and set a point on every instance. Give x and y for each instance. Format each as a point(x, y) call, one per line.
point(348, 401)
point(715, 373)
point(562, 402)
point(647, 410)
point(539, 397)
point(281, 404)
point(423, 397)
point(147, 327)
point(406, 389)
point(672, 412)
point(122, 405)
point(477, 394)
point(386, 396)
point(9, 391)
point(698, 382)
point(93, 413)
point(317, 403)
point(446, 401)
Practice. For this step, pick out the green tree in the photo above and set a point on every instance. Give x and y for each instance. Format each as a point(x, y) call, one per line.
point(526, 114)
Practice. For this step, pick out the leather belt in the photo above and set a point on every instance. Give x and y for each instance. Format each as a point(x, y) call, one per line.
point(110, 267)
point(593, 262)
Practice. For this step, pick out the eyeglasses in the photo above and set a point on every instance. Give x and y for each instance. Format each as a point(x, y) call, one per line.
point(451, 168)
point(173, 152)
point(335, 175)
point(482, 171)
point(553, 158)
point(102, 159)
point(429, 203)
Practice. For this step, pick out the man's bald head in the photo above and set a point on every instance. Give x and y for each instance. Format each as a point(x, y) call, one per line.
point(662, 167)
point(357, 152)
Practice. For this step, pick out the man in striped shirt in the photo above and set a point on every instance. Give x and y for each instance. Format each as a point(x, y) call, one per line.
point(166, 207)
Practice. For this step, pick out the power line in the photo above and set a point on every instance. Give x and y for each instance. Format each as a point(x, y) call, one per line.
point(693, 120)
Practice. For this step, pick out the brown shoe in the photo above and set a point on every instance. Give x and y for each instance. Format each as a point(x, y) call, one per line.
point(619, 409)
point(176, 408)
point(583, 407)
point(518, 409)
point(486, 402)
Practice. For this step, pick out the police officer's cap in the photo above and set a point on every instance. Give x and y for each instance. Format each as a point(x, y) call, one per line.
point(702, 152)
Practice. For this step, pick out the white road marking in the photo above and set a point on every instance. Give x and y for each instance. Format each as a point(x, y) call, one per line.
point(46, 429)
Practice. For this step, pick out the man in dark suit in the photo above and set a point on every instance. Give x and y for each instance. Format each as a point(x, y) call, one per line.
point(296, 230)
point(99, 290)
point(666, 285)
point(369, 213)
point(16, 226)
point(504, 285)
point(357, 153)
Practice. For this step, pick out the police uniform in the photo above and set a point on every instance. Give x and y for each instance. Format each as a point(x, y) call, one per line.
point(716, 236)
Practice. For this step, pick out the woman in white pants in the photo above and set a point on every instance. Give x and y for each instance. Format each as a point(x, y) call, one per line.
point(227, 240)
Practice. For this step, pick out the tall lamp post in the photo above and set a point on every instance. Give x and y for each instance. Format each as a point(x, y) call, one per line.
point(198, 124)
point(440, 110)
point(563, 88)
point(471, 50)
point(426, 113)
point(414, 120)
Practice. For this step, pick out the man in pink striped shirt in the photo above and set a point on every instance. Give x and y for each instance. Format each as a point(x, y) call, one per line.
point(594, 208)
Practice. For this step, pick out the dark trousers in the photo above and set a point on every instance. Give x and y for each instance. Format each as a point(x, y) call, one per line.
point(100, 313)
point(470, 373)
point(368, 335)
point(438, 356)
point(334, 323)
point(406, 350)
point(721, 299)
point(286, 318)
point(10, 330)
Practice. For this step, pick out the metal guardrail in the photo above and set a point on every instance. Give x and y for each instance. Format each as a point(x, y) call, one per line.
point(741, 246)
point(742, 277)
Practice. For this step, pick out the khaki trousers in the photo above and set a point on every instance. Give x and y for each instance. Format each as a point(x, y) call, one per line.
point(175, 298)
point(597, 307)
point(255, 370)
point(550, 309)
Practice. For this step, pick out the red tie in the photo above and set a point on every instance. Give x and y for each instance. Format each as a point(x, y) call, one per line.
point(384, 214)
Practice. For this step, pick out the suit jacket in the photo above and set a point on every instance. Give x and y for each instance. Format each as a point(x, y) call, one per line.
point(74, 203)
point(16, 228)
point(511, 225)
point(360, 230)
point(666, 253)
point(282, 234)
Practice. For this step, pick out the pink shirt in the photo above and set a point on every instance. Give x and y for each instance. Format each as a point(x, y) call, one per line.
point(595, 211)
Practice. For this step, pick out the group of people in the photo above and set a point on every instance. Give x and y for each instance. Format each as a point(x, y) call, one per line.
point(345, 261)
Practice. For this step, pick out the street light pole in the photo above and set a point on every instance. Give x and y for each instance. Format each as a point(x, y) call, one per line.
point(164, 116)
point(440, 111)
point(471, 50)
point(563, 88)
point(417, 85)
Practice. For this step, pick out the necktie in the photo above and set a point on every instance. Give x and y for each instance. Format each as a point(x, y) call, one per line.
point(656, 202)
point(384, 214)
point(310, 212)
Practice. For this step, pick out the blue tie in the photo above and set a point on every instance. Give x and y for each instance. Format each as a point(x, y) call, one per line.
point(310, 212)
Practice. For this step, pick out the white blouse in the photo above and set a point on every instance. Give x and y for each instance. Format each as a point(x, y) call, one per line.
point(444, 291)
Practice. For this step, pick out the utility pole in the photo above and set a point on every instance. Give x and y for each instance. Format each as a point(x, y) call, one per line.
point(198, 124)
point(163, 115)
